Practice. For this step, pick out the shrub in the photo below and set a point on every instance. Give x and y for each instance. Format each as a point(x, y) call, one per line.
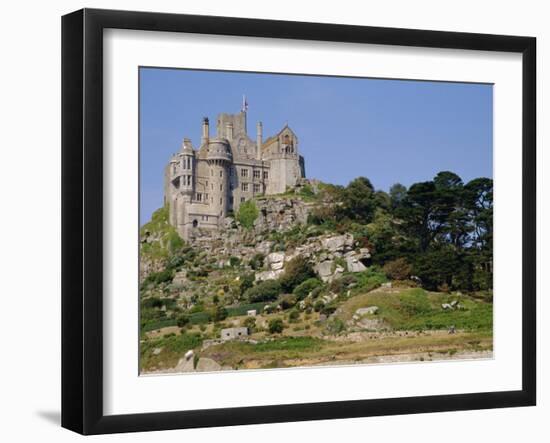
point(319, 304)
point(247, 214)
point(335, 326)
point(182, 320)
point(246, 282)
point(328, 310)
point(249, 322)
point(293, 316)
point(219, 314)
point(303, 289)
point(265, 291)
point(297, 270)
point(234, 261)
point(288, 301)
point(276, 326)
point(398, 269)
point(159, 277)
point(257, 261)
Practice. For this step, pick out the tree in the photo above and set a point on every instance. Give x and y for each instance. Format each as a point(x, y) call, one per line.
point(303, 289)
point(358, 201)
point(265, 291)
point(297, 270)
point(398, 192)
point(247, 214)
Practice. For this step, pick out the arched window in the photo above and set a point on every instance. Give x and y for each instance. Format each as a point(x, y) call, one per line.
point(195, 223)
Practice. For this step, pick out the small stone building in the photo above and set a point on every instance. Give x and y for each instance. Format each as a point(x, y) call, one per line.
point(202, 185)
point(234, 333)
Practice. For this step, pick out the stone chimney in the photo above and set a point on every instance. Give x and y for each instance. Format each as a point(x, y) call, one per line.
point(259, 137)
point(205, 131)
point(229, 131)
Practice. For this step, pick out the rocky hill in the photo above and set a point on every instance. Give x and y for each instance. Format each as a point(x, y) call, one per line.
point(278, 290)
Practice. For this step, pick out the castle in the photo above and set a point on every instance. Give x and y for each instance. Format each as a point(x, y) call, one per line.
point(202, 185)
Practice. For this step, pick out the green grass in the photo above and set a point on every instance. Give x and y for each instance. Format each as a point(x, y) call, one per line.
point(416, 309)
point(168, 239)
point(236, 311)
point(173, 348)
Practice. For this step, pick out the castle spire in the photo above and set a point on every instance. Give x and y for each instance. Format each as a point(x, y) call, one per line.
point(244, 107)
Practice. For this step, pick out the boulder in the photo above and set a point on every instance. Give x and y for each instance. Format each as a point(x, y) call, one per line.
point(275, 260)
point(324, 270)
point(268, 275)
point(354, 265)
point(367, 310)
point(335, 243)
point(207, 365)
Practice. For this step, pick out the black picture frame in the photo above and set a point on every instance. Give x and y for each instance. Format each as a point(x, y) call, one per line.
point(82, 218)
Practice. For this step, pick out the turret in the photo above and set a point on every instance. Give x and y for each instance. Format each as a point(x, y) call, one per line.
point(219, 160)
point(187, 167)
point(259, 138)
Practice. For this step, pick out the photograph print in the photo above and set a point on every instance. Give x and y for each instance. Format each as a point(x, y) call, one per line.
point(294, 221)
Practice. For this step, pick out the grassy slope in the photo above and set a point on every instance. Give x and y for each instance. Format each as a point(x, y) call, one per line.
point(410, 310)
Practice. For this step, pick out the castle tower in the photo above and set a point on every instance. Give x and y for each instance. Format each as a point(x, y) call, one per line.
point(187, 167)
point(219, 160)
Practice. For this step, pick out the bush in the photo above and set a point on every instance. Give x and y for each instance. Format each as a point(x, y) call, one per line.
point(249, 322)
point(219, 314)
point(335, 326)
point(303, 289)
point(288, 301)
point(293, 316)
point(247, 214)
point(319, 304)
point(234, 261)
point(276, 326)
point(257, 261)
point(182, 321)
point(297, 270)
point(246, 282)
point(398, 269)
point(159, 277)
point(265, 291)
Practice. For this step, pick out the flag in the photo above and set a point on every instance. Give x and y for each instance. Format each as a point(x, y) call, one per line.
point(245, 104)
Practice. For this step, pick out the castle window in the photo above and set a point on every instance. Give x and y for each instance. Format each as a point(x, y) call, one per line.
point(206, 197)
point(221, 173)
point(188, 162)
point(266, 175)
point(256, 187)
point(256, 173)
point(195, 223)
point(244, 187)
point(188, 180)
point(173, 169)
point(199, 197)
point(221, 187)
point(242, 199)
point(244, 172)
point(231, 200)
point(221, 201)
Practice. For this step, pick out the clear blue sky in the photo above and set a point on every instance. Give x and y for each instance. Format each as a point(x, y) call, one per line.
point(387, 130)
